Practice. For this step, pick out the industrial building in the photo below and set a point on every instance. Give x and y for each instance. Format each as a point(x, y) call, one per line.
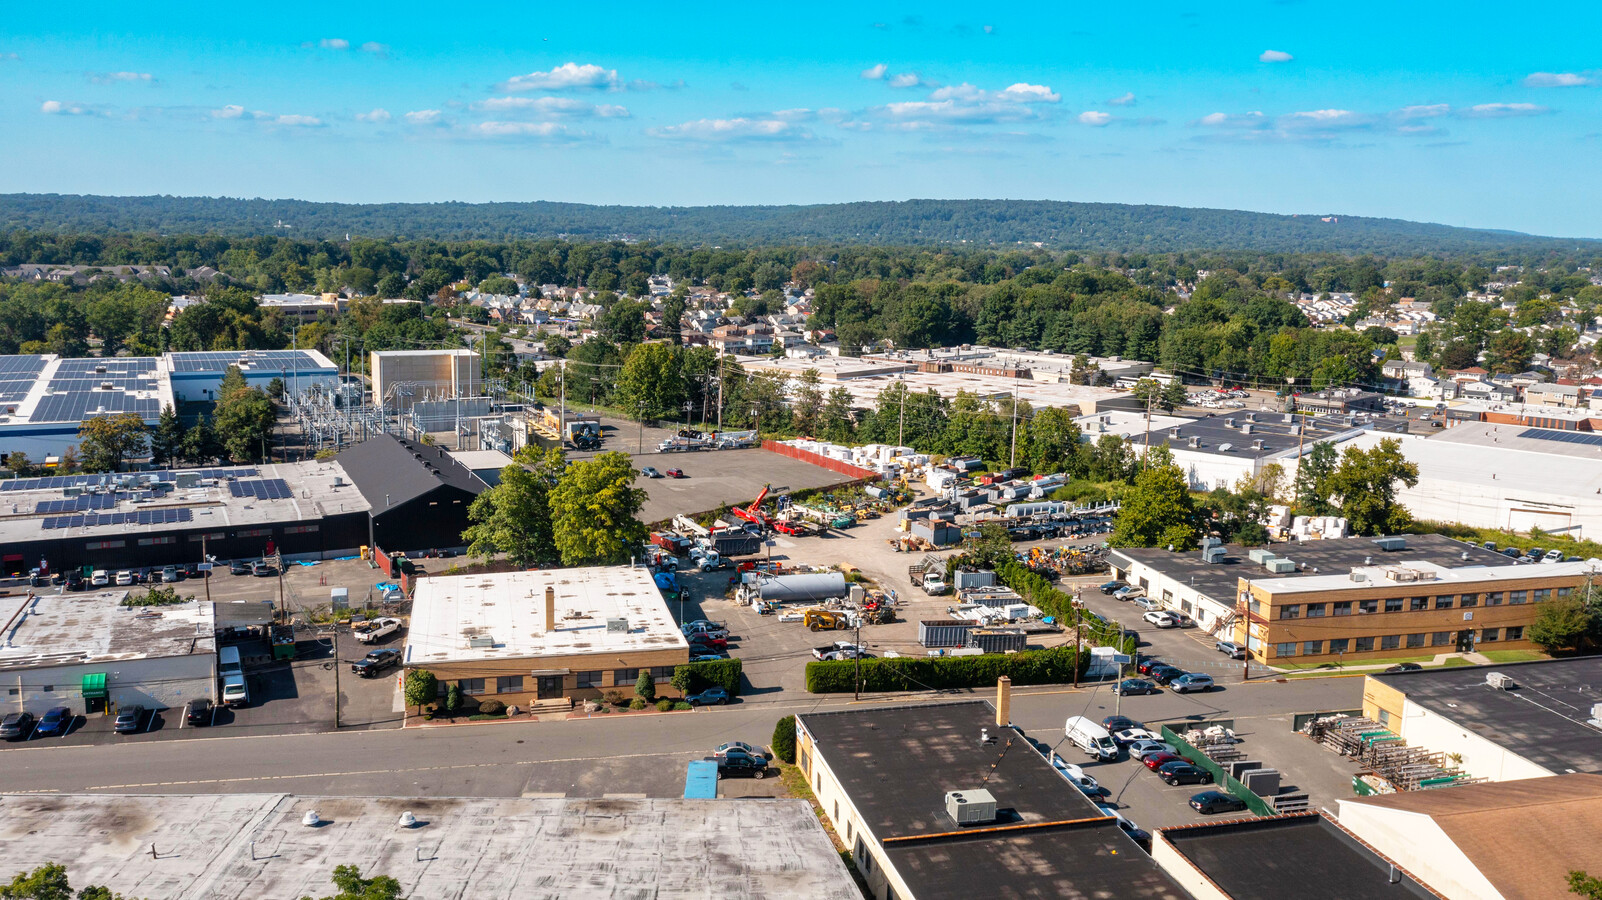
point(213, 846)
point(1532, 719)
point(1513, 840)
point(1303, 855)
point(44, 399)
point(554, 635)
point(418, 493)
point(1351, 599)
point(86, 650)
point(404, 377)
point(1219, 451)
point(947, 800)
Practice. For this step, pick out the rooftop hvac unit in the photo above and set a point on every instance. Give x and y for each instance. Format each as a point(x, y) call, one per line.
point(1213, 555)
point(1229, 423)
point(1596, 715)
point(1500, 681)
point(1195, 442)
point(1359, 576)
point(975, 807)
point(1173, 432)
point(1260, 555)
point(1391, 544)
point(617, 626)
point(1280, 566)
point(1246, 428)
point(481, 642)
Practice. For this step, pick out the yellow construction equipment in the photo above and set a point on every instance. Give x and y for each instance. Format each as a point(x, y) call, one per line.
point(825, 620)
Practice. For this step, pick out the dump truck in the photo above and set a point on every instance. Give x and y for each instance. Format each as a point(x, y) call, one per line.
point(676, 544)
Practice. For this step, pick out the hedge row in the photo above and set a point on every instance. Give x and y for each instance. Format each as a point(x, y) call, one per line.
point(1041, 593)
point(907, 673)
point(693, 678)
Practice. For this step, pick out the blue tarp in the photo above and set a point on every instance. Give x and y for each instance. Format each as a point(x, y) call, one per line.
point(701, 781)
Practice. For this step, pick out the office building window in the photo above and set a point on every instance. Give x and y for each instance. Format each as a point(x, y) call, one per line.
point(1312, 648)
point(1415, 640)
point(1288, 648)
point(625, 677)
point(1515, 632)
point(1254, 606)
point(1363, 645)
point(1343, 608)
point(1494, 598)
point(1514, 598)
point(1418, 604)
point(591, 679)
point(472, 685)
point(1542, 595)
point(1385, 717)
point(1490, 634)
point(509, 684)
point(1564, 592)
point(1445, 601)
point(1339, 645)
point(1292, 611)
point(1316, 610)
point(1393, 604)
point(1440, 638)
point(1168, 597)
point(1471, 600)
point(662, 674)
point(1368, 606)
point(1390, 642)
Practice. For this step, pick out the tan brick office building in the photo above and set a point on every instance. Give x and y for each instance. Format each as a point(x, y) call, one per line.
point(523, 637)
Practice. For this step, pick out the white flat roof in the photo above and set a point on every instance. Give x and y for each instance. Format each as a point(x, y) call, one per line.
point(67, 628)
point(504, 613)
point(1429, 574)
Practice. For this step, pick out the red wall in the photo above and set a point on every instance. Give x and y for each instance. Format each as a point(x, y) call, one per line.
point(815, 459)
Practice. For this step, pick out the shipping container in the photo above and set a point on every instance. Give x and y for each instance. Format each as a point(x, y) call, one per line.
point(996, 640)
point(943, 633)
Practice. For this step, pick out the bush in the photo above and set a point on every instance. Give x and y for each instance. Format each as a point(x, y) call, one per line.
point(157, 596)
point(1054, 666)
point(637, 703)
point(615, 698)
point(681, 706)
point(492, 708)
point(664, 705)
point(453, 697)
point(784, 739)
point(645, 687)
point(422, 687)
point(693, 678)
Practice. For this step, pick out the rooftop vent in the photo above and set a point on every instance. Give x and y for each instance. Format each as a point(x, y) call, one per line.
point(975, 807)
point(617, 626)
point(1280, 566)
point(1391, 544)
point(1229, 423)
point(1257, 444)
point(1359, 575)
point(1195, 441)
point(1500, 681)
point(1246, 428)
point(1213, 555)
point(481, 642)
point(1173, 432)
point(1225, 447)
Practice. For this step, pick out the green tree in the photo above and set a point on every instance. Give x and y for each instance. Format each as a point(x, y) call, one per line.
point(514, 517)
point(594, 510)
point(650, 385)
point(1586, 886)
point(244, 417)
point(806, 406)
point(1151, 392)
point(839, 417)
point(422, 688)
point(49, 882)
point(200, 443)
point(673, 318)
point(1312, 484)
point(352, 886)
point(645, 686)
point(1364, 487)
point(784, 739)
point(20, 465)
point(1564, 626)
point(622, 323)
point(1157, 510)
point(1508, 352)
point(166, 442)
point(106, 442)
point(1111, 459)
point(1055, 444)
point(557, 345)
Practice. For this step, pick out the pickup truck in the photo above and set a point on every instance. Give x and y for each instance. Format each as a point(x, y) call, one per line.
point(839, 650)
point(375, 662)
point(375, 629)
point(934, 583)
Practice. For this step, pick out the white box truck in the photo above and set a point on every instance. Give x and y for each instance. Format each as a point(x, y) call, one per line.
point(234, 691)
point(1091, 738)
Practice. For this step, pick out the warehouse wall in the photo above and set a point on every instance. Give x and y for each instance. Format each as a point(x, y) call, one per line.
point(166, 682)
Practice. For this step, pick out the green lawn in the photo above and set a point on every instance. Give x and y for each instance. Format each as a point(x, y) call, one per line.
point(1388, 661)
point(1513, 655)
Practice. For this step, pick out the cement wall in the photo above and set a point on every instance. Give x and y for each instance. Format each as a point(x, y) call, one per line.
point(160, 682)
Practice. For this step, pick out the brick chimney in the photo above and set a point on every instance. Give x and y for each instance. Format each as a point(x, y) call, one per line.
point(1003, 702)
point(550, 609)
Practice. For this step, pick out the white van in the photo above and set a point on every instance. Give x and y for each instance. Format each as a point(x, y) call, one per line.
point(234, 691)
point(1091, 738)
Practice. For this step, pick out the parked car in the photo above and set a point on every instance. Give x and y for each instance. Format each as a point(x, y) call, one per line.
point(1142, 749)
point(741, 747)
point(1161, 619)
point(1130, 735)
point(1127, 592)
point(130, 719)
point(1512, 552)
point(1165, 673)
point(1230, 649)
point(56, 720)
point(1552, 556)
point(1131, 687)
point(1110, 586)
point(1184, 773)
point(75, 580)
point(1190, 683)
point(1146, 664)
point(375, 662)
point(675, 473)
point(1118, 723)
point(650, 472)
point(1404, 667)
point(239, 567)
point(199, 712)
point(100, 578)
point(703, 625)
point(733, 764)
point(1156, 759)
point(1146, 603)
point(375, 630)
point(1535, 553)
point(710, 629)
point(1183, 620)
point(1489, 545)
point(261, 568)
point(710, 697)
point(708, 657)
point(124, 578)
point(1209, 802)
point(1136, 834)
point(704, 643)
point(17, 725)
point(1075, 775)
point(169, 574)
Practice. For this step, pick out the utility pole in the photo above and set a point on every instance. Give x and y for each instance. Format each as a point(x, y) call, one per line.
point(901, 421)
point(856, 659)
point(1079, 648)
point(207, 573)
point(720, 390)
point(561, 425)
point(1012, 462)
point(1149, 399)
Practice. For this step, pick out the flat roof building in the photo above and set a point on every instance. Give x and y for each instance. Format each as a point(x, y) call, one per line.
point(214, 846)
point(883, 777)
point(1544, 723)
point(548, 634)
point(1218, 451)
point(403, 377)
point(418, 494)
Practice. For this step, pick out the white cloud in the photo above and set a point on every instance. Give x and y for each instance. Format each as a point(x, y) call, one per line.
point(334, 44)
point(116, 77)
point(876, 72)
point(548, 131)
point(423, 117)
point(1326, 116)
point(967, 104)
point(739, 129)
point(1095, 118)
point(1226, 120)
point(9, 57)
point(1502, 110)
point(1126, 100)
point(1427, 111)
point(1562, 79)
point(553, 106)
point(377, 115)
point(905, 80)
point(375, 48)
point(228, 112)
point(298, 121)
point(1274, 56)
point(565, 77)
point(57, 108)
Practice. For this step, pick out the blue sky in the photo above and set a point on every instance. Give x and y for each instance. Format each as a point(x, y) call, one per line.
point(1461, 113)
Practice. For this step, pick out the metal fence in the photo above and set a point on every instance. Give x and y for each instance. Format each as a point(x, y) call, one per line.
point(1221, 777)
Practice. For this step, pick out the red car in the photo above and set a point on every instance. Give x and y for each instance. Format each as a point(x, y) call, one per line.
point(793, 528)
point(716, 644)
point(675, 473)
point(1155, 760)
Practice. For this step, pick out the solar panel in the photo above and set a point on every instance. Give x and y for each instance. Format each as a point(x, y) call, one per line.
point(139, 517)
point(1563, 437)
point(262, 489)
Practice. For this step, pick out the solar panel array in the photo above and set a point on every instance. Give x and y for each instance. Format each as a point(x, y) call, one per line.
point(81, 503)
point(17, 376)
point(55, 482)
point(258, 360)
point(262, 489)
point(75, 406)
point(1563, 437)
point(140, 517)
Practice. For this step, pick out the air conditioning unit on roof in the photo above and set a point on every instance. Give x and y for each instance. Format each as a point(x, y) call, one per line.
point(975, 807)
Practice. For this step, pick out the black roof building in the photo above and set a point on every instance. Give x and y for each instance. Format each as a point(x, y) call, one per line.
point(893, 767)
point(419, 493)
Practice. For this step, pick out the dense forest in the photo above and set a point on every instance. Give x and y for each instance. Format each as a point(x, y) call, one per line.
point(1107, 227)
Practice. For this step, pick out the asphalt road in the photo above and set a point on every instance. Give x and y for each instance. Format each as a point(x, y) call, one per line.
point(582, 758)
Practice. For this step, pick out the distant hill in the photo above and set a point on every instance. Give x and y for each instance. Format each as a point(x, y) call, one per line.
point(983, 223)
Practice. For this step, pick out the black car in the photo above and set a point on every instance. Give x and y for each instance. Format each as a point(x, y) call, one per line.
point(1110, 586)
point(374, 663)
point(715, 696)
point(193, 570)
point(1139, 835)
point(17, 725)
point(1404, 667)
point(1130, 687)
point(733, 764)
point(1164, 673)
point(1209, 802)
point(129, 720)
point(75, 580)
point(199, 712)
point(239, 567)
point(1184, 773)
point(1115, 724)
